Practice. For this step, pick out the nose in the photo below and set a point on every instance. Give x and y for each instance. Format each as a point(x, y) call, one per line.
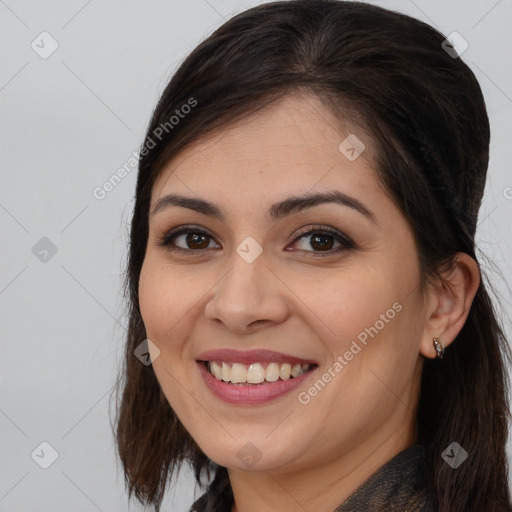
point(249, 296)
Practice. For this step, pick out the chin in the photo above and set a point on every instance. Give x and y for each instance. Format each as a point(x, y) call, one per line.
point(244, 455)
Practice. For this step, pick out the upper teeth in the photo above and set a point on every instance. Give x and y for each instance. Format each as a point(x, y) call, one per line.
point(256, 372)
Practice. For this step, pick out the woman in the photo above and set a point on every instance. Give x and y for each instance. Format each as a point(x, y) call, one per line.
point(302, 273)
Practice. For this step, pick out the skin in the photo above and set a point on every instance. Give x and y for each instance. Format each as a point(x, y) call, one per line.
point(293, 301)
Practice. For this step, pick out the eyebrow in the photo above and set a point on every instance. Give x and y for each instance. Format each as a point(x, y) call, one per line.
point(277, 211)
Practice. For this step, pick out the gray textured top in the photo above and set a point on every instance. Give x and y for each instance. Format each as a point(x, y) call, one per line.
point(394, 487)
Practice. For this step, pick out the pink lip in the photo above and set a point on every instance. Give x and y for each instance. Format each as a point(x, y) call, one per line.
point(250, 394)
point(251, 356)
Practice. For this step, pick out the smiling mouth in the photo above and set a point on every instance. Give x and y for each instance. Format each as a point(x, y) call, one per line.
point(255, 373)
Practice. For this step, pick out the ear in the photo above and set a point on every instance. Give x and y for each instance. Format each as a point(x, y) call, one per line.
point(448, 303)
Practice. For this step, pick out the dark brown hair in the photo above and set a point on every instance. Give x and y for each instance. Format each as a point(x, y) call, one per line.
point(424, 110)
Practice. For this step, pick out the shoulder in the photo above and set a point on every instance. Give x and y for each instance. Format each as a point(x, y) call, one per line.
point(398, 486)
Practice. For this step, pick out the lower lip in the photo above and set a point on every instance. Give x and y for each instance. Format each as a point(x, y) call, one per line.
point(250, 394)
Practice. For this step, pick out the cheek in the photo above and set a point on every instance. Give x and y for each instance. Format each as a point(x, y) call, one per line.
point(361, 303)
point(377, 319)
point(152, 305)
point(161, 301)
point(164, 313)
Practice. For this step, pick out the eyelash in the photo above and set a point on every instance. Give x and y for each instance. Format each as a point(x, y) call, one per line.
point(165, 241)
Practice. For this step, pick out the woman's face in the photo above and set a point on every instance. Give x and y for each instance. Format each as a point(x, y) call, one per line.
point(269, 283)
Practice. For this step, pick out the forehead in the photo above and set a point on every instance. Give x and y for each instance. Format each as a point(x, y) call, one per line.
point(292, 147)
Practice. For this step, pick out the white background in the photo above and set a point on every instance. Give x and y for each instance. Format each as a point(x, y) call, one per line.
point(67, 123)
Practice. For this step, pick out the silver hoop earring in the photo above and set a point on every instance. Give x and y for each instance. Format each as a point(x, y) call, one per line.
point(439, 348)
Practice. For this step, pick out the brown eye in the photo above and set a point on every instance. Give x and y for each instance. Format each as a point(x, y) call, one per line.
point(196, 241)
point(186, 240)
point(323, 241)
